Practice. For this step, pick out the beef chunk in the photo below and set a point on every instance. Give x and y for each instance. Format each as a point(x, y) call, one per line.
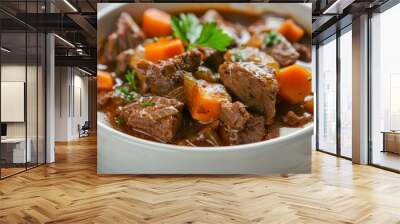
point(283, 51)
point(304, 51)
point(205, 136)
point(212, 58)
point(126, 36)
point(103, 98)
point(272, 131)
point(158, 78)
point(128, 58)
point(157, 117)
point(123, 61)
point(294, 120)
point(255, 85)
point(234, 115)
point(166, 75)
point(250, 54)
point(114, 98)
point(238, 126)
point(177, 93)
point(206, 74)
point(254, 130)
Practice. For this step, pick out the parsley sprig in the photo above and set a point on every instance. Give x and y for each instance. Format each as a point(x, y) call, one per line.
point(239, 55)
point(188, 28)
point(119, 120)
point(272, 38)
point(130, 77)
point(128, 92)
point(147, 103)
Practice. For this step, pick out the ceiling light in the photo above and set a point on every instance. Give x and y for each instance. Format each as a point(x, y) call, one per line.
point(5, 50)
point(84, 71)
point(70, 5)
point(338, 6)
point(65, 41)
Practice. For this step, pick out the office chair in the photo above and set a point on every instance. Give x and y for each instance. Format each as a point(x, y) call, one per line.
point(84, 130)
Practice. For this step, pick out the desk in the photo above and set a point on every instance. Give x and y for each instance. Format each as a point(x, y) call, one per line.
point(13, 150)
point(391, 141)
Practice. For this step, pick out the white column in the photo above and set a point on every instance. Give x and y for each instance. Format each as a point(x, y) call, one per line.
point(50, 100)
point(360, 90)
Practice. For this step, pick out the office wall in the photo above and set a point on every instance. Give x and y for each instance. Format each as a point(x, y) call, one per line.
point(61, 103)
point(71, 102)
point(15, 72)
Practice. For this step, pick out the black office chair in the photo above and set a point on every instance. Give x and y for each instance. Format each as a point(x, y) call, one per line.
point(84, 130)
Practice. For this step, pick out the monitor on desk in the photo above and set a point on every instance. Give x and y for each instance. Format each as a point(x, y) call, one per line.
point(3, 130)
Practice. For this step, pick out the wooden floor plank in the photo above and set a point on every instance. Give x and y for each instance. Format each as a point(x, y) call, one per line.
point(70, 191)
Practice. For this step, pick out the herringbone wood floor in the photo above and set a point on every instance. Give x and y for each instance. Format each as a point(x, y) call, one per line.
point(69, 191)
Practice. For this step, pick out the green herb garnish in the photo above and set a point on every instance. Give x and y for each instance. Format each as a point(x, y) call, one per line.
point(147, 103)
point(126, 94)
point(123, 89)
point(239, 55)
point(187, 27)
point(272, 38)
point(194, 34)
point(213, 37)
point(130, 77)
point(119, 120)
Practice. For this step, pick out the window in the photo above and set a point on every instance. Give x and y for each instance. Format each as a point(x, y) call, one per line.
point(385, 88)
point(346, 92)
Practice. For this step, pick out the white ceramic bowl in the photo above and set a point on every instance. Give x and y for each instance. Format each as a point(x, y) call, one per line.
point(119, 153)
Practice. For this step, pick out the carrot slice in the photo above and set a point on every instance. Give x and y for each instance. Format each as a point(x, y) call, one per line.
point(291, 30)
point(156, 23)
point(163, 49)
point(309, 105)
point(204, 99)
point(294, 83)
point(104, 81)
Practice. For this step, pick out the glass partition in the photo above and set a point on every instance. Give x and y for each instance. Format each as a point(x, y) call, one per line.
point(22, 77)
point(14, 145)
point(326, 107)
point(31, 98)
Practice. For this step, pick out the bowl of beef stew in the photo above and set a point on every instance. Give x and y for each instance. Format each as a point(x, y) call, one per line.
point(204, 88)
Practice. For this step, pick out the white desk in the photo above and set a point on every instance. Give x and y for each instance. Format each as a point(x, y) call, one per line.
point(18, 149)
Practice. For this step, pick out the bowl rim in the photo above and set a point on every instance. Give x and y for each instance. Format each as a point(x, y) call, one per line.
point(288, 137)
point(302, 131)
